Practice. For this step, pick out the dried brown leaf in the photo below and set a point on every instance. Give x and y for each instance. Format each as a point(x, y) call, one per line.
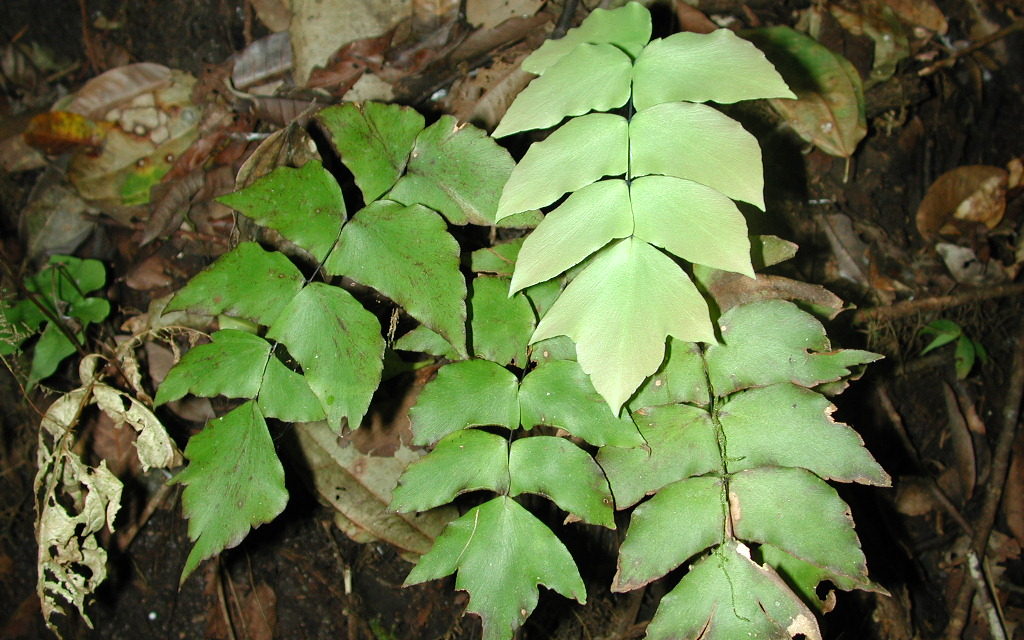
point(490, 13)
point(962, 197)
point(1013, 494)
point(964, 461)
point(920, 13)
point(118, 86)
point(262, 60)
point(484, 97)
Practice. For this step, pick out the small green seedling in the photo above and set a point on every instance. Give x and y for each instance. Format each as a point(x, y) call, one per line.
point(967, 349)
point(56, 301)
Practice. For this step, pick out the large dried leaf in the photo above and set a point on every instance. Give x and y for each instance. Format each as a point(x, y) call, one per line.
point(360, 486)
point(961, 198)
point(118, 86)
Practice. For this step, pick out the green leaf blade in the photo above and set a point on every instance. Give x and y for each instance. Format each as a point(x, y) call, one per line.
point(628, 28)
point(305, 205)
point(696, 142)
point(579, 152)
point(773, 426)
point(591, 77)
point(719, 66)
point(692, 221)
point(456, 170)
point(233, 482)
point(562, 472)
point(407, 254)
point(338, 344)
point(231, 365)
point(472, 393)
point(727, 596)
point(374, 141)
point(629, 289)
point(502, 553)
point(799, 513)
point(500, 326)
point(559, 394)
point(285, 395)
point(247, 282)
point(679, 522)
point(680, 443)
point(588, 220)
point(462, 461)
point(797, 351)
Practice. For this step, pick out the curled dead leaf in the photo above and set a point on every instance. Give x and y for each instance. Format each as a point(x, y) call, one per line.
point(118, 86)
point(962, 197)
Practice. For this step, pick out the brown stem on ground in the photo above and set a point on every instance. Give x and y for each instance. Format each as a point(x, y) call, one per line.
point(994, 489)
point(938, 303)
point(981, 43)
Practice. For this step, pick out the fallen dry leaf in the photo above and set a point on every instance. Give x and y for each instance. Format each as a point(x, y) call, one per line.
point(484, 96)
point(118, 86)
point(920, 13)
point(262, 60)
point(490, 13)
point(829, 109)
point(962, 197)
point(964, 461)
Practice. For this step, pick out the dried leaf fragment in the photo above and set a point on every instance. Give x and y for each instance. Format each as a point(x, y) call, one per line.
point(965, 195)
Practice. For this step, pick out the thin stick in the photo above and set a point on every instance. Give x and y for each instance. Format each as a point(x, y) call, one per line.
point(565, 20)
point(1016, 25)
point(994, 488)
point(938, 303)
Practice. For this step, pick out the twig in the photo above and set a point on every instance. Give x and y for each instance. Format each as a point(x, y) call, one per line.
point(1016, 25)
point(125, 540)
point(994, 488)
point(938, 303)
point(985, 599)
point(564, 20)
point(915, 460)
point(222, 600)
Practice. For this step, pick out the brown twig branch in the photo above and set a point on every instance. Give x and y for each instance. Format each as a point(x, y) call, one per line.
point(1016, 25)
point(994, 489)
point(937, 303)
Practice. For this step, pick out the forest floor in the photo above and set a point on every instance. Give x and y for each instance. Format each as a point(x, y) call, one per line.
point(902, 247)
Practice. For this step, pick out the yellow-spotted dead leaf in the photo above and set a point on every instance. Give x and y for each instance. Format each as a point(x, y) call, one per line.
point(962, 198)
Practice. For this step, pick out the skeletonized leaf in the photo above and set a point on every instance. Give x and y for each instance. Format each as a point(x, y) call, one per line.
point(680, 443)
point(796, 350)
point(559, 394)
point(465, 394)
point(462, 461)
point(696, 142)
point(559, 470)
point(234, 481)
point(680, 378)
point(692, 221)
point(629, 289)
point(153, 446)
point(501, 325)
point(727, 596)
point(502, 553)
point(771, 426)
point(628, 28)
point(374, 141)
point(588, 220)
point(407, 254)
point(338, 344)
point(679, 522)
point(456, 170)
point(798, 512)
point(591, 77)
point(579, 152)
point(829, 110)
point(247, 282)
point(305, 205)
point(701, 67)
